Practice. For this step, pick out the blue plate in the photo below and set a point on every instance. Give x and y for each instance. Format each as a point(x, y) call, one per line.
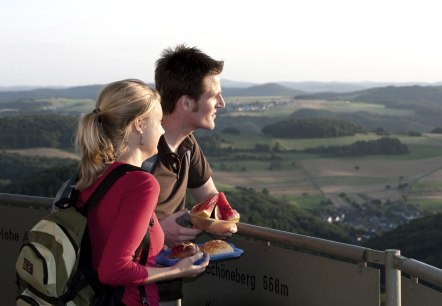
point(164, 257)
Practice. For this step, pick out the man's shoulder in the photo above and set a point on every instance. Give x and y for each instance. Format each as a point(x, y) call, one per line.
point(188, 144)
point(190, 139)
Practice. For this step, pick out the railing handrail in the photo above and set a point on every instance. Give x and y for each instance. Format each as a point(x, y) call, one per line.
point(356, 253)
point(419, 270)
point(25, 200)
point(323, 246)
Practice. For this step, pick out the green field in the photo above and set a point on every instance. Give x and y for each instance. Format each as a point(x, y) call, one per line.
point(314, 178)
point(288, 106)
point(249, 142)
point(431, 205)
point(425, 146)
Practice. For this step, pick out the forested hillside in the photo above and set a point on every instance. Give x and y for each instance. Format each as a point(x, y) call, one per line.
point(420, 239)
point(264, 210)
point(37, 131)
point(39, 176)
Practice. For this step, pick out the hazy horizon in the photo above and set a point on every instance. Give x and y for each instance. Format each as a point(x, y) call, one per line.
point(59, 43)
point(234, 83)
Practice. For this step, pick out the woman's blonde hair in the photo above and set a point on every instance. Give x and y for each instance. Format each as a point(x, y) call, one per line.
point(102, 134)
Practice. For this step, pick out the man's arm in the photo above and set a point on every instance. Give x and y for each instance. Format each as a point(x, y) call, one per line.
point(205, 191)
point(175, 233)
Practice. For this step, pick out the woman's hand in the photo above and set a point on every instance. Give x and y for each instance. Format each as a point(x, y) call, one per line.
point(187, 265)
point(184, 268)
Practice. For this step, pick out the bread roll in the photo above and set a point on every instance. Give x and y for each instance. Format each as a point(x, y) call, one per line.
point(216, 247)
point(183, 250)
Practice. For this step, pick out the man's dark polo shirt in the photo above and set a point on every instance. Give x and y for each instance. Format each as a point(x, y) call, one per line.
point(175, 174)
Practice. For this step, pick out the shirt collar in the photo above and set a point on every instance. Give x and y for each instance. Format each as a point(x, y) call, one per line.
point(185, 145)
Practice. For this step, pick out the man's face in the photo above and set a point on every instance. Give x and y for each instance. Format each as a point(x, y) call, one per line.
point(204, 110)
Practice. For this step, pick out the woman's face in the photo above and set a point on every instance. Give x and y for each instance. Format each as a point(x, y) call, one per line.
point(153, 130)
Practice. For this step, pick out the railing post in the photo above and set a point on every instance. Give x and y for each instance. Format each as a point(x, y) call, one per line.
point(392, 279)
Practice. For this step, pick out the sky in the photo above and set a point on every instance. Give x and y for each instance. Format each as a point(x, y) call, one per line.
point(83, 42)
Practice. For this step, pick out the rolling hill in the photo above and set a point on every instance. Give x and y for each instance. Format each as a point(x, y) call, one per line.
point(91, 92)
point(80, 92)
point(390, 96)
point(269, 89)
point(423, 103)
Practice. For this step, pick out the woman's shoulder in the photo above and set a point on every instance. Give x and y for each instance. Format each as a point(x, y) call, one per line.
point(135, 176)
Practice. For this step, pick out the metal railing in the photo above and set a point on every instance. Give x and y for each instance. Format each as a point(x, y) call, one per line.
point(391, 260)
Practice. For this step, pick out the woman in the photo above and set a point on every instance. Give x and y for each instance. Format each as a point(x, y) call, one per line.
point(125, 127)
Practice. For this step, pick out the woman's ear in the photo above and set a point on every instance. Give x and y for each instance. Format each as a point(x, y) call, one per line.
point(136, 125)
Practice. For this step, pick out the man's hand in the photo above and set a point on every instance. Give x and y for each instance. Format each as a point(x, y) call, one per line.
point(226, 212)
point(174, 232)
point(232, 230)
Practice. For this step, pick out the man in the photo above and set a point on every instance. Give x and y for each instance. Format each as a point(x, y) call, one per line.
point(189, 84)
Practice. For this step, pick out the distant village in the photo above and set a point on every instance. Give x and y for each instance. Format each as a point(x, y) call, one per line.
point(258, 106)
point(371, 219)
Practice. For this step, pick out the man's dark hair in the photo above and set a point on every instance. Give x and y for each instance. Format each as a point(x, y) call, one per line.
point(181, 72)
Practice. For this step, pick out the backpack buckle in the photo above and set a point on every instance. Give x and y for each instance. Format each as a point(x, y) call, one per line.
point(144, 301)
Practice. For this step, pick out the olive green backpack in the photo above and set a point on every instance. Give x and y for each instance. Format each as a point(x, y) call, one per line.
point(55, 265)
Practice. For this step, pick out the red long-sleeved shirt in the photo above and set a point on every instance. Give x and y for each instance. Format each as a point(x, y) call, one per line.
point(117, 226)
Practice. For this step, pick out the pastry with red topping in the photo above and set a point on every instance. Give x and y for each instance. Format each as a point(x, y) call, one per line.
point(183, 249)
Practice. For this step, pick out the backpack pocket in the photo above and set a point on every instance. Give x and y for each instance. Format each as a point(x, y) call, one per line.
point(34, 265)
point(46, 263)
point(27, 298)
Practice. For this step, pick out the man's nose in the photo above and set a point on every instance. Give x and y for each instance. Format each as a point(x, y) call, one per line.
point(220, 102)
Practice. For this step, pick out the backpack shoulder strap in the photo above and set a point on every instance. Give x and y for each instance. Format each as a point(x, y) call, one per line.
point(144, 246)
point(66, 195)
point(150, 163)
point(85, 264)
point(104, 186)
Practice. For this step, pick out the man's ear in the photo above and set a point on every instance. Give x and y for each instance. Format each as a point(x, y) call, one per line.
point(186, 103)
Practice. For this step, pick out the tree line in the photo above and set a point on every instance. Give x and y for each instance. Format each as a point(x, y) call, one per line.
point(312, 128)
point(383, 146)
